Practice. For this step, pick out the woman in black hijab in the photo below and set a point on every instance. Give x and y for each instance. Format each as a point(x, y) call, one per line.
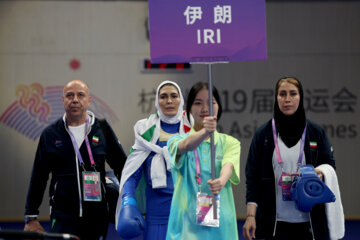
point(271, 213)
point(290, 126)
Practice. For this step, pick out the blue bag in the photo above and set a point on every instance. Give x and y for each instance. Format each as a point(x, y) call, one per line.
point(308, 190)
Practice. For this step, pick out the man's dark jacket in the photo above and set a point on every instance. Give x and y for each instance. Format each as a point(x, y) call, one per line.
point(55, 154)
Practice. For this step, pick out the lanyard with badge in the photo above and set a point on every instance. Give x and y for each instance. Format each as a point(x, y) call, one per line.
point(90, 179)
point(204, 206)
point(286, 179)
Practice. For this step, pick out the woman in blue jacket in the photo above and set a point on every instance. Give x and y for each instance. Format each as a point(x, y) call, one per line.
point(271, 214)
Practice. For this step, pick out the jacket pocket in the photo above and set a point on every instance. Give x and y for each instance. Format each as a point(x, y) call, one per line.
point(65, 191)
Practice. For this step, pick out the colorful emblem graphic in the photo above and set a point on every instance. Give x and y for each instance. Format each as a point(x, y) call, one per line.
point(37, 106)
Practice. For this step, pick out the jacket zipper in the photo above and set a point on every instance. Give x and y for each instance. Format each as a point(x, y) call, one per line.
point(311, 227)
point(275, 209)
point(79, 187)
point(275, 226)
point(78, 180)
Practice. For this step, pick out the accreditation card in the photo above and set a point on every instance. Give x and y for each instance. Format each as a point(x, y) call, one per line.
point(205, 212)
point(91, 186)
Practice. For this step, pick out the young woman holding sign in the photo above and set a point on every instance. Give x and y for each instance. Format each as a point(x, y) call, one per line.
point(190, 214)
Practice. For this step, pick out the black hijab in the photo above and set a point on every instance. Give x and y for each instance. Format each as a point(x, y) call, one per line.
point(291, 127)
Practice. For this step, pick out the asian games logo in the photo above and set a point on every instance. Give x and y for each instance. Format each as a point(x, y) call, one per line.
point(37, 106)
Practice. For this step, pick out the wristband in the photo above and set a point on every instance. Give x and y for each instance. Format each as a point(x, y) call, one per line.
point(128, 201)
point(250, 215)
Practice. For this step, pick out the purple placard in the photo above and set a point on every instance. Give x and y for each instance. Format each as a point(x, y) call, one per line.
point(207, 30)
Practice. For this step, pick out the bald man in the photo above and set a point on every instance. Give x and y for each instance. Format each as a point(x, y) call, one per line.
point(74, 150)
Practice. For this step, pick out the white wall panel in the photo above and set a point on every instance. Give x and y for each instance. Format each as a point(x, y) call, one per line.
point(318, 42)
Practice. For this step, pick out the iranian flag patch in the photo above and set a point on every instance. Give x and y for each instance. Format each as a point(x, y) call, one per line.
point(313, 144)
point(95, 139)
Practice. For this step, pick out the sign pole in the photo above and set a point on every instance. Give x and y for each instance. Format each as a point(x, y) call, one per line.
point(212, 149)
point(212, 145)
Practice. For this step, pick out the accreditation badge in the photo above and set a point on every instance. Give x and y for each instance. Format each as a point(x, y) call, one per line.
point(286, 186)
point(205, 212)
point(285, 182)
point(91, 186)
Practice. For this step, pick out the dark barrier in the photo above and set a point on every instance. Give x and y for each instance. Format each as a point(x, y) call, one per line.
point(20, 234)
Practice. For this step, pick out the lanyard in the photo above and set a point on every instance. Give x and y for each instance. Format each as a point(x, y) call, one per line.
point(277, 145)
point(76, 148)
point(198, 170)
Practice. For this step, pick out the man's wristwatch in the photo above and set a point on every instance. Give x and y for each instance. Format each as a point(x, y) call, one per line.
point(29, 219)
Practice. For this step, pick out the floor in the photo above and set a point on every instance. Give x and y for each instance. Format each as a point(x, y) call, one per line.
point(352, 229)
